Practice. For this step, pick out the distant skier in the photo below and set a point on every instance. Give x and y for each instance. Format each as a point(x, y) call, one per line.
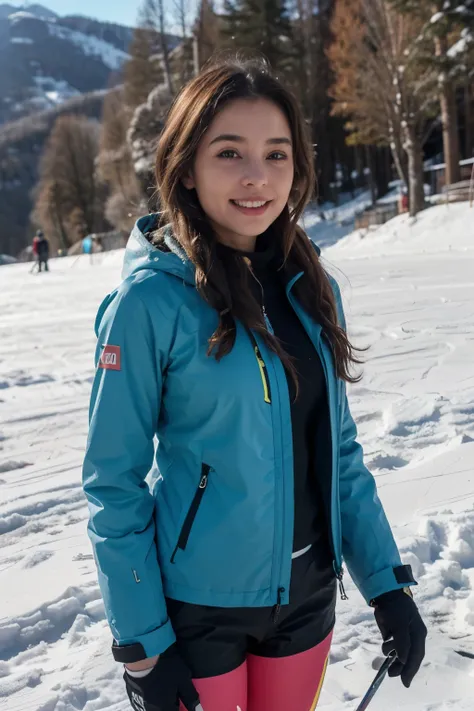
point(34, 250)
point(226, 341)
point(41, 249)
point(403, 202)
point(88, 247)
point(36, 240)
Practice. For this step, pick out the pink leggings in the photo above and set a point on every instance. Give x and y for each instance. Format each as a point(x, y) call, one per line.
point(268, 684)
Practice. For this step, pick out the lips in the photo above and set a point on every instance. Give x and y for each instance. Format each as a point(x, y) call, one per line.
point(256, 206)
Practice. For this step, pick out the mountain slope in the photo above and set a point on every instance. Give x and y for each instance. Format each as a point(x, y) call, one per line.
point(21, 146)
point(46, 59)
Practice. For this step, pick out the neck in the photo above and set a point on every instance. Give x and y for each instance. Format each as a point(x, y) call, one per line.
point(242, 243)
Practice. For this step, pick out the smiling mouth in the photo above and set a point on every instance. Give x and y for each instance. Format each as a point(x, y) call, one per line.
point(251, 204)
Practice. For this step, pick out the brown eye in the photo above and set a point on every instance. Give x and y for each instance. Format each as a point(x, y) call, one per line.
point(228, 153)
point(277, 155)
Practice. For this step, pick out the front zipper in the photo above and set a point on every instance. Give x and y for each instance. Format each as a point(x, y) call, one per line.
point(277, 607)
point(266, 386)
point(268, 399)
point(192, 512)
point(337, 565)
point(261, 363)
point(338, 569)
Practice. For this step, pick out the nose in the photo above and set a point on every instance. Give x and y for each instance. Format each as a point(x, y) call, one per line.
point(254, 175)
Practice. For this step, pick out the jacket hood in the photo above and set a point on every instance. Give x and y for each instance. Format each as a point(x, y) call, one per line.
point(169, 257)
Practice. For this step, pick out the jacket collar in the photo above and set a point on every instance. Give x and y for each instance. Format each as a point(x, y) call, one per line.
point(168, 255)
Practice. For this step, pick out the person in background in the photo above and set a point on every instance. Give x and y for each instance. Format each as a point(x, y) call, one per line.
point(227, 341)
point(34, 249)
point(35, 242)
point(403, 202)
point(42, 247)
point(88, 247)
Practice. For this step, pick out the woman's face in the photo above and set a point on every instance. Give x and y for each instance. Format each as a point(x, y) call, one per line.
point(243, 170)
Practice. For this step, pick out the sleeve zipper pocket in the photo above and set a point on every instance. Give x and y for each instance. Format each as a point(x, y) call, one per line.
point(192, 512)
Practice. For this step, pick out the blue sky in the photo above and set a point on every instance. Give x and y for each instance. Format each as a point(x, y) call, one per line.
point(123, 12)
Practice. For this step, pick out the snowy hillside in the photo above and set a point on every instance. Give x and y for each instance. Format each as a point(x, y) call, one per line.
point(409, 295)
point(49, 58)
point(112, 57)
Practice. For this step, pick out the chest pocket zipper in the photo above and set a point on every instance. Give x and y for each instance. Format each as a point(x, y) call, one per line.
point(263, 370)
point(192, 512)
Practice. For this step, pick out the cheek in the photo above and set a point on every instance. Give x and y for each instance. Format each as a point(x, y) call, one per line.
point(213, 184)
point(283, 180)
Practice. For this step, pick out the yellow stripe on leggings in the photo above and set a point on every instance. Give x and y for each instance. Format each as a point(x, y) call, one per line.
point(321, 681)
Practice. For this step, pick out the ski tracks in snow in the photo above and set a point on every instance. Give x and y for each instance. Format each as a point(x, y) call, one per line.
point(54, 641)
point(415, 412)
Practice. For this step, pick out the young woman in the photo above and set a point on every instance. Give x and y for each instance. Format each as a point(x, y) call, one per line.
point(226, 341)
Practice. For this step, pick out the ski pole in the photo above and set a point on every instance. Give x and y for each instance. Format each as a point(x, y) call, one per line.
point(381, 674)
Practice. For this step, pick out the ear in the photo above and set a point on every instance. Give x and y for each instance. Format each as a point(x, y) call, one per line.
point(188, 181)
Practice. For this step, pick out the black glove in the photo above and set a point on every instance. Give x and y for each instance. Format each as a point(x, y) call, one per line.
point(163, 688)
point(403, 631)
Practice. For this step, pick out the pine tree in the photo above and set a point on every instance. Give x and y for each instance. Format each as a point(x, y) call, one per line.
point(448, 27)
point(261, 26)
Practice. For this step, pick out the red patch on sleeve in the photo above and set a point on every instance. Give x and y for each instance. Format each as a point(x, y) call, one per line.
point(110, 358)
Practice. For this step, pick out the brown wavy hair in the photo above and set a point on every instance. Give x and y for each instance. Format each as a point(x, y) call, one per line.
point(224, 282)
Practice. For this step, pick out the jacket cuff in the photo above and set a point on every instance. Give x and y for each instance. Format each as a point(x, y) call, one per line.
point(387, 580)
point(149, 644)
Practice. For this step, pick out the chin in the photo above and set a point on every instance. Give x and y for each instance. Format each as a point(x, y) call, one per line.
point(252, 230)
point(250, 227)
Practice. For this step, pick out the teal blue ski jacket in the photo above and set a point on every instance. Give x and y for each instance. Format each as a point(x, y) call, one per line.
point(206, 516)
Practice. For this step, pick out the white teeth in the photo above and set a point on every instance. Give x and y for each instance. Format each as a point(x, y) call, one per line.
point(246, 203)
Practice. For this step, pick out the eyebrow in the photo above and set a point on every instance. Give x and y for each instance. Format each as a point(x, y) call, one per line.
point(240, 139)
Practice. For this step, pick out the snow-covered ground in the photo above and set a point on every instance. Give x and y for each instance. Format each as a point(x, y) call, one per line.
point(328, 224)
point(409, 293)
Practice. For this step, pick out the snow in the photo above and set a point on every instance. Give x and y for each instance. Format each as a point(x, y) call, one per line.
point(112, 57)
point(449, 228)
point(6, 258)
point(441, 166)
point(21, 40)
point(331, 223)
point(55, 91)
point(462, 45)
point(409, 294)
point(21, 15)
